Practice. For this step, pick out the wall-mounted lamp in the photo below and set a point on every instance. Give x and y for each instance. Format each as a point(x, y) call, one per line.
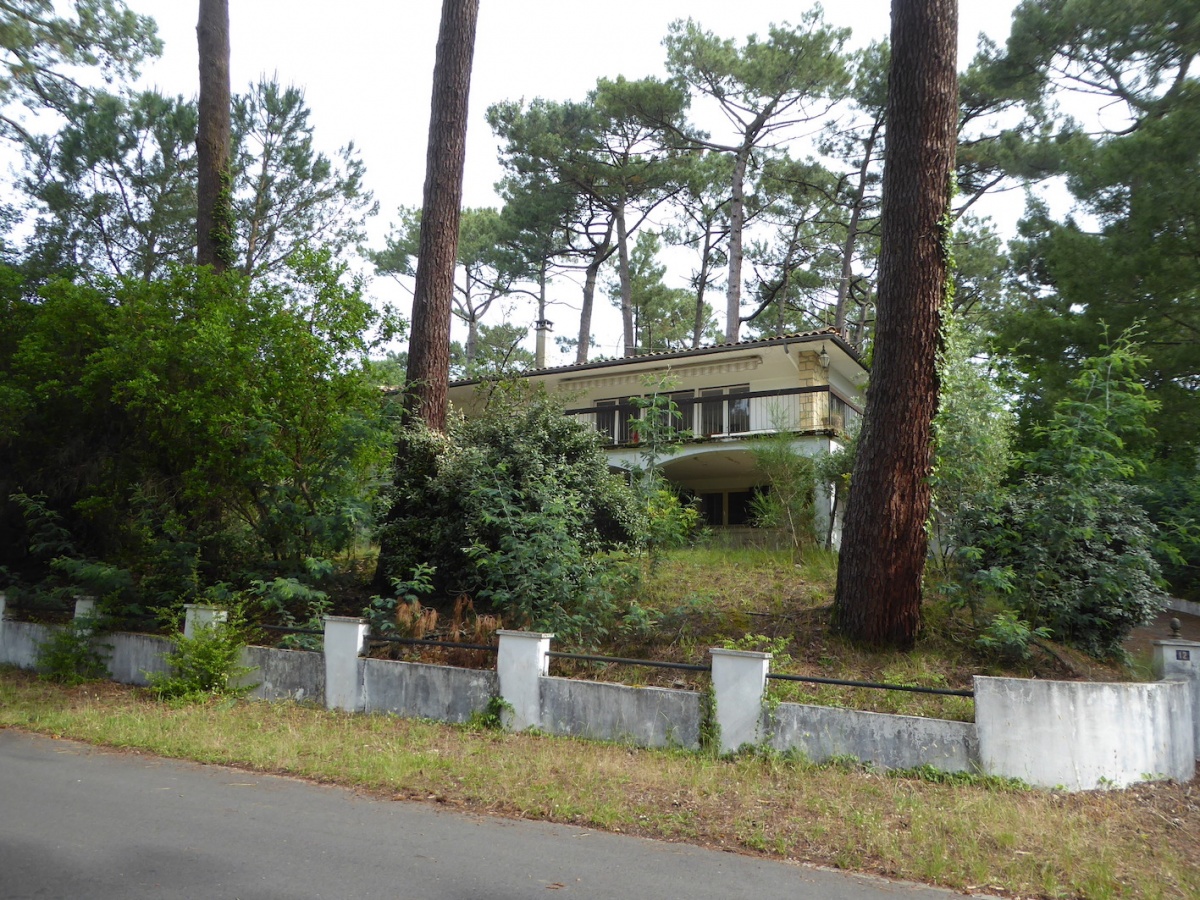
point(823, 358)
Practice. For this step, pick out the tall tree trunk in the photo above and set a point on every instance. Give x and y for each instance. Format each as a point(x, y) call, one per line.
point(839, 316)
point(884, 544)
point(737, 221)
point(428, 375)
point(701, 287)
point(603, 252)
point(626, 286)
point(214, 214)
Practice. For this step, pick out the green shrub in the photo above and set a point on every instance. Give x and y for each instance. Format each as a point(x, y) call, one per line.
point(1008, 637)
point(205, 665)
point(73, 654)
point(515, 507)
point(1067, 542)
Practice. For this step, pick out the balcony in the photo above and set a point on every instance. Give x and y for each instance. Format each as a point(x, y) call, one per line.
point(731, 414)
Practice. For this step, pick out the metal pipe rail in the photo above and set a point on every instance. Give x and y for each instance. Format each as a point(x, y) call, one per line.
point(915, 689)
point(421, 642)
point(617, 660)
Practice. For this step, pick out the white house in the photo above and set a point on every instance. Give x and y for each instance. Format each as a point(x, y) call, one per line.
point(809, 385)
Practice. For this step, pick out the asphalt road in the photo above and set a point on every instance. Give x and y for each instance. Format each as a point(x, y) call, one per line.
point(78, 822)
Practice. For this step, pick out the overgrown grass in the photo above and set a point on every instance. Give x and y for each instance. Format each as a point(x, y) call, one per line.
point(966, 833)
point(748, 598)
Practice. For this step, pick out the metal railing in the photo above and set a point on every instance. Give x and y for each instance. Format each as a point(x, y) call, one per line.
point(734, 414)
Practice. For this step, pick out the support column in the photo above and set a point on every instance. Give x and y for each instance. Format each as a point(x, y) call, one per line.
point(85, 606)
point(345, 641)
point(200, 615)
point(739, 680)
point(523, 657)
point(1179, 660)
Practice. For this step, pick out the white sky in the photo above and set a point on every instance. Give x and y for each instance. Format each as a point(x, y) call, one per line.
point(366, 67)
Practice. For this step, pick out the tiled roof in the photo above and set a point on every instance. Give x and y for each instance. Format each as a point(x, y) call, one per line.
point(801, 336)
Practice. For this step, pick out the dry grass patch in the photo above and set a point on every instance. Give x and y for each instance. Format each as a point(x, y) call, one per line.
point(988, 836)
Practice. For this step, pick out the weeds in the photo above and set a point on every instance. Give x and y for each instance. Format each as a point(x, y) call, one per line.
point(73, 654)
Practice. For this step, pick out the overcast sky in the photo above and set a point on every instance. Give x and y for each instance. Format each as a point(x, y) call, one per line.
point(366, 65)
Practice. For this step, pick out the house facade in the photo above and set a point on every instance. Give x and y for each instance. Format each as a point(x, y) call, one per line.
point(808, 385)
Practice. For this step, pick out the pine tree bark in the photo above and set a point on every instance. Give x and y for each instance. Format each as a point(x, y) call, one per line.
point(214, 216)
point(428, 374)
point(884, 542)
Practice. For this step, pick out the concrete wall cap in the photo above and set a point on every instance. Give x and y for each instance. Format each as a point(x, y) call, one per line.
point(533, 635)
point(356, 619)
point(745, 654)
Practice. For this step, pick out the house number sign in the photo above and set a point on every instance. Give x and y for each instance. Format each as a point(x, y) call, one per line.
point(1183, 655)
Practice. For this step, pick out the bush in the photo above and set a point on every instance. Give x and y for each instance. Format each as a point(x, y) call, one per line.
point(1067, 541)
point(515, 507)
point(73, 654)
point(205, 665)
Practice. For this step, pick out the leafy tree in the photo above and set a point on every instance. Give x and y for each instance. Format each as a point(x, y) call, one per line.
point(234, 425)
point(764, 89)
point(428, 376)
point(548, 155)
point(972, 436)
point(702, 223)
point(285, 193)
point(41, 50)
point(884, 542)
point(488, 265)
point(498, 353)
point(1068, 543)
point(662, 316)
point(788, 504)
point(115, 188)
point(1128, 250)
point(214, 201)
point(795, 264)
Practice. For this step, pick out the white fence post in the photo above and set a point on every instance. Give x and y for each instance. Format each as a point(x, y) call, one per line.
point(739, 680)
point(85, 606)
point(522, 658)
point(1179, 660)
point(345, 640)
point(201, 615)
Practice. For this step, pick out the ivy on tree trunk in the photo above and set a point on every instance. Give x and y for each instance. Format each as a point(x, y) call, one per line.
point(884, 542)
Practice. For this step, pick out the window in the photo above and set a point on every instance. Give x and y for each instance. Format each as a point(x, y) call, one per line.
point(722, 412)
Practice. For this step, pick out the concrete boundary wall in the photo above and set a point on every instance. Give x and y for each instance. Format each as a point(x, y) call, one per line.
point(297, 675)
point(1072, 735)
point(821, 733)
point(131, 656)
point(425, 691)
point(643, 716)
point(1084, 735)
point(19, 642)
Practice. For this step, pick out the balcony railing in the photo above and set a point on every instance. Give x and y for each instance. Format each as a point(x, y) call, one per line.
point(802, 410)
